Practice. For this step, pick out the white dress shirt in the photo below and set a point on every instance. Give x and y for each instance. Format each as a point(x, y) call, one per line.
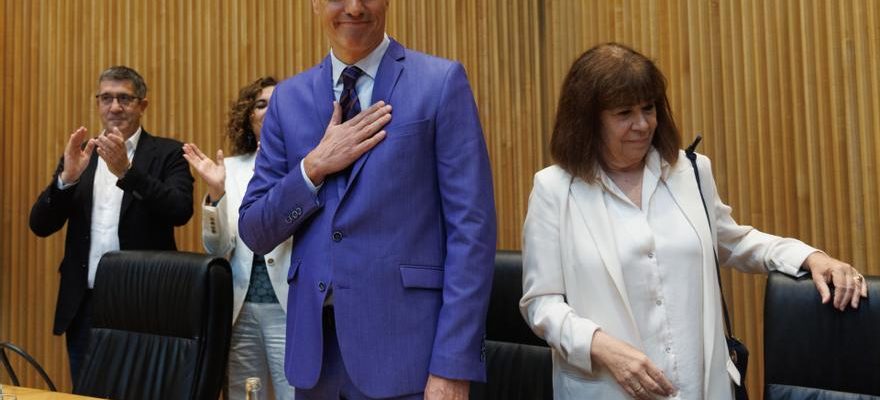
point(106, 204)
point(661, 258)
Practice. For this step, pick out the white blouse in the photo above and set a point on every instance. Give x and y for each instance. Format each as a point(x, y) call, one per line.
point(662, 269)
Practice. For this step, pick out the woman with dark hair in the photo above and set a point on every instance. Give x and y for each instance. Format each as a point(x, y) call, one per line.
point(619, 252)
point(259, 281)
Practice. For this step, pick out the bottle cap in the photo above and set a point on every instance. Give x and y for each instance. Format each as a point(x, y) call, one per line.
point(252, 383)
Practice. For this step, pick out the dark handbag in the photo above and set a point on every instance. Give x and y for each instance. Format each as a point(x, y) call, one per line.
point(739, 354)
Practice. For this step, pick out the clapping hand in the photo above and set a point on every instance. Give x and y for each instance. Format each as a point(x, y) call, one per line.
point(213, 172)
point(111, 147)
point(76, 158)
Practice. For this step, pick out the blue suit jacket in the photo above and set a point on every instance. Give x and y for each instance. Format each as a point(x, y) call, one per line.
point(407, 242)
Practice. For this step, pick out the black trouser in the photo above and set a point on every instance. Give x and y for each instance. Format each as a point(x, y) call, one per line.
point(77, 336)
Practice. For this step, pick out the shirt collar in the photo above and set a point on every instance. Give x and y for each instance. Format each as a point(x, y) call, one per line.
point(368, 64)
point(655, 164)
point(132, 142)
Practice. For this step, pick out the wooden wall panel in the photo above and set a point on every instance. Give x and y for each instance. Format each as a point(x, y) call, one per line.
point(784, 92)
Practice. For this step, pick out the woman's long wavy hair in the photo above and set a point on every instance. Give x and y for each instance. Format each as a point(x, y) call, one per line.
point(238, 127)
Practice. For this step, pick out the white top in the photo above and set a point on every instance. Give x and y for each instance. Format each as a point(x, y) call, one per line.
point(106, 204)
point(577, 278)
point(220, 236)
point(661, 259)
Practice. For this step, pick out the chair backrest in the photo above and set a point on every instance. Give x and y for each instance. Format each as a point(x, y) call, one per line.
point(519, 363)
point(812, 350)
point(161, 326)
point(7, 364)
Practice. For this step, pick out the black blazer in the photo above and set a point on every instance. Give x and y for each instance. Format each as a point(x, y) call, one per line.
point(157, 197)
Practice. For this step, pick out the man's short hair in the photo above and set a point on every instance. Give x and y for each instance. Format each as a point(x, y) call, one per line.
point(123, 73)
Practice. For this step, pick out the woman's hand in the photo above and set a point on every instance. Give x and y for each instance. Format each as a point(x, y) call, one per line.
point(630, 367)
point(214, 173)
point(849, 284)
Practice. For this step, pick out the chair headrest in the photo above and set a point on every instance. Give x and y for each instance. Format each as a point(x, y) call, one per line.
point(811, 344)
point(505, 323)
point(156, 292)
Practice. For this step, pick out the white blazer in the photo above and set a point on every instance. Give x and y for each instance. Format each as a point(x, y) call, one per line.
point(573, 281)
point(220, 236)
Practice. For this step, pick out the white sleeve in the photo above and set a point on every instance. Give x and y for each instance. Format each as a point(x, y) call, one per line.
point(544, 303)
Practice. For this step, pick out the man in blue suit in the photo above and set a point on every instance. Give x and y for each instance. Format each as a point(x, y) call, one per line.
point(392, 215)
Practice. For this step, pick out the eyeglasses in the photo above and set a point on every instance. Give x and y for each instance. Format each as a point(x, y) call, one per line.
point(124, 100)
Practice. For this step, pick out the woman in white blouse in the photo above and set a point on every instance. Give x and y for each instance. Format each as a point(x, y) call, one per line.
point(259, 281)
point(619, 273)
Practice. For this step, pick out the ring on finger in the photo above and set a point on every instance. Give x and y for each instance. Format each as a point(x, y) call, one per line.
point(859, 278)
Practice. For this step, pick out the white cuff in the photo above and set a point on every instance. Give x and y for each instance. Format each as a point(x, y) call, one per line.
point(302, 168)
point(62, 186)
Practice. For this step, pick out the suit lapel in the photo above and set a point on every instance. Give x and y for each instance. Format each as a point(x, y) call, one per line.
point(322, 88)
point(386, 80)
point(143, 157)
point(389, 72)
point(590, 203)
point(682, 185)
point(87, 180)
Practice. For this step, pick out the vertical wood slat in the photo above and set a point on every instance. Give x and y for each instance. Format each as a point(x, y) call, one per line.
point(784, 93)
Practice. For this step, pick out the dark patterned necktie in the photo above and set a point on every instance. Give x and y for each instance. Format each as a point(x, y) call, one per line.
point(349, 103)
point(349, 98)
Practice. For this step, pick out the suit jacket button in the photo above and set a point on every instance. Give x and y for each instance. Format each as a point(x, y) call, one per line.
point(270, 261)
point(337, 236)
point(321, 286)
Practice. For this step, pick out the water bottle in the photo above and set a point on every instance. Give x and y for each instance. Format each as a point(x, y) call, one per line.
point(252, 387)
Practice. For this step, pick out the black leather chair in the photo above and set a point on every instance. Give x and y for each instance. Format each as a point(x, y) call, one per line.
point(518, 362)
point(161, 327)
point(7, 365)
point(812, 351)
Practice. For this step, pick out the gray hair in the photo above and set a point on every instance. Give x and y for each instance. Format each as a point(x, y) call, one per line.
point(123, 73)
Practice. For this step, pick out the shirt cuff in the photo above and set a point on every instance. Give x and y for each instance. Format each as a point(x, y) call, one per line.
point(791, 260)
point(312, 187)
point(214, 203)
point(62, 186)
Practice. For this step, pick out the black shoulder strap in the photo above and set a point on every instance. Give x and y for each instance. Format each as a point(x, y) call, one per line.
point(691, 155)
